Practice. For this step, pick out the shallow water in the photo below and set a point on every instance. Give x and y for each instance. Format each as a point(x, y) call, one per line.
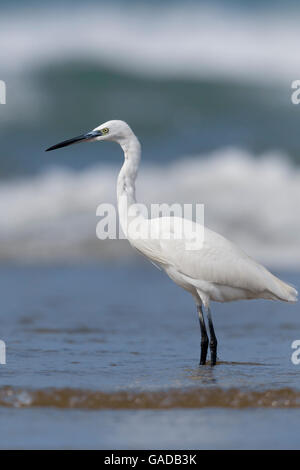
point(151, 429)
point(93, 348)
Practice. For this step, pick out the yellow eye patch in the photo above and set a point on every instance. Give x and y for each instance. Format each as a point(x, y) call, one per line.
point(105, 130)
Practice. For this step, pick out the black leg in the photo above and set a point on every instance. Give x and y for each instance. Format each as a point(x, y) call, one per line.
point(213, 340)
point(204, 337)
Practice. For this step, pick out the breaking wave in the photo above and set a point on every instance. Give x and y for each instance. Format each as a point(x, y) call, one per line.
point(68, 398)
point(252, 201)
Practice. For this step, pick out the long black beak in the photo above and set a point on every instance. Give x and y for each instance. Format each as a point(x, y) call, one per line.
point(89, 136)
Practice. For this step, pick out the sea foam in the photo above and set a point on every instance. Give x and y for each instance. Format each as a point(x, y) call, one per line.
point(254, 201)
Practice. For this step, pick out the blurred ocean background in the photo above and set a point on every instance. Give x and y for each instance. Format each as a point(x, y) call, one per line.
point(206, 86)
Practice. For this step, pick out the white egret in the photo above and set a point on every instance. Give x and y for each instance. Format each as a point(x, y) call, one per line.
point(217, 271)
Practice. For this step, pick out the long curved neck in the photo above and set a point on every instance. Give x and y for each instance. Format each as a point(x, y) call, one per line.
point(126, 179)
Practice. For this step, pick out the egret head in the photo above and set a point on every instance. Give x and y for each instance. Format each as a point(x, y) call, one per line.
point(114, 131)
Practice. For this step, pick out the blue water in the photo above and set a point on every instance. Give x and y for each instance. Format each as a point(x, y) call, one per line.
point(179, 429)
point(107, 329)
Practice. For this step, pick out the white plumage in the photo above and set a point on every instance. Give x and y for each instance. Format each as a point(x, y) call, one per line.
point(217, 271)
